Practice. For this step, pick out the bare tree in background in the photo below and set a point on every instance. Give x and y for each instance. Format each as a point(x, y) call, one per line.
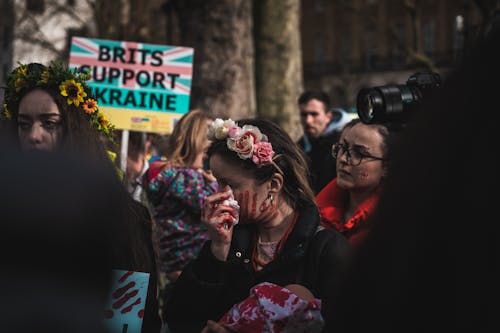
point(230, 78)
point(133, 20)
point(279, 62)
point(32, 21)
point(414, 50)
point(220, 33)
point(411, 44)
point(6, 35)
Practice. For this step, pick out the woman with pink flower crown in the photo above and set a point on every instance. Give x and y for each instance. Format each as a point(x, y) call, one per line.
point(265, 234)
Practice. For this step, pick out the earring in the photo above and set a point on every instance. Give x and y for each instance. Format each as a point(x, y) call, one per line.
point(271, 199)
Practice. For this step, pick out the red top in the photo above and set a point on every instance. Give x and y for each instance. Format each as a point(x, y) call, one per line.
point(332, 204)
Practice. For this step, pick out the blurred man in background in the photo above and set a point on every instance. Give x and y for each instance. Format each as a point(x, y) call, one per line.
point(320, 133)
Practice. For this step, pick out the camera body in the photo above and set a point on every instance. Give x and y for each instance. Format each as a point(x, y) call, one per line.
point(395, 102)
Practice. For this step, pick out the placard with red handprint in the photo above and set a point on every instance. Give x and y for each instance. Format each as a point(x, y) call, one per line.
point(125, 310)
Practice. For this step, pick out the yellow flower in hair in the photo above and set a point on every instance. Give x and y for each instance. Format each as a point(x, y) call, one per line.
point(22, 70)
point(103, 121)
point(111, 155)
point(90, 106)
point(74, 91)
point(6, 111)
point(44, 77)
point(20, 84)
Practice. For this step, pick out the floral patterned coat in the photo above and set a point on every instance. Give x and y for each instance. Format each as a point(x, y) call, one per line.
point(176, 195)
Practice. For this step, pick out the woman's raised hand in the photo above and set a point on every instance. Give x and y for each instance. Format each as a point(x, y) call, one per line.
point(220, 218)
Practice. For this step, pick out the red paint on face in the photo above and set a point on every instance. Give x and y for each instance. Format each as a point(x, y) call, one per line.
point(249, 211)
point(363, 175)
point(247, 206)
point(268, 211)
point(254, 205)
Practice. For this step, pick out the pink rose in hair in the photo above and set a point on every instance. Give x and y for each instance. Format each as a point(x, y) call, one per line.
point(262, 153)
point(234, 131)
point(243, 144)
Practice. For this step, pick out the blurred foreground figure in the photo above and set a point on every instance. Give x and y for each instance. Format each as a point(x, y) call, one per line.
point(52, 109)
point(57, 216)
point(429, 263)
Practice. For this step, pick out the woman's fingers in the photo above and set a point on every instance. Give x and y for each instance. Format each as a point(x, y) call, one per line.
point(213, 205)
point(219, 217)
point(213, 200)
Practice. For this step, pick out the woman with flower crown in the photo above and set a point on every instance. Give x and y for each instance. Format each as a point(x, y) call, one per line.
point(263, 226)
point(50, 108)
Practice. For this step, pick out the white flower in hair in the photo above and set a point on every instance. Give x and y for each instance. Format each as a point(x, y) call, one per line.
point(228, 123)
point(247, 141)
point(220, 129)
point(217, 123)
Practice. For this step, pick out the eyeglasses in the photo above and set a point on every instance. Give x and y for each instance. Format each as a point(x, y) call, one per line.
point(354, 154)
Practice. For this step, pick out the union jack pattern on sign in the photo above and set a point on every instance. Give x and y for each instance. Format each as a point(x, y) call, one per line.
point(144, 87)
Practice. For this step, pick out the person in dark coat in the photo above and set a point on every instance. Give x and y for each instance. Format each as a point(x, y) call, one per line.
point(431, 261)
point(263, 226)
point(320, 133)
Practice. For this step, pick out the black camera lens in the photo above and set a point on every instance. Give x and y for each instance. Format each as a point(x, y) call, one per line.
point(384, 103)
point(395, 102)
point(368, 101)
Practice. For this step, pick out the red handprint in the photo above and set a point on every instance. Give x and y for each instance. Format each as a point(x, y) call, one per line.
point(123, 295)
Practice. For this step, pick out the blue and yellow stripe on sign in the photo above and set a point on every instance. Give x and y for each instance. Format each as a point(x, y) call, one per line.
point(139, 86)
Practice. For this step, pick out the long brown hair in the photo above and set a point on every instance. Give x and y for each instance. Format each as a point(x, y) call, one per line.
point(188, 138)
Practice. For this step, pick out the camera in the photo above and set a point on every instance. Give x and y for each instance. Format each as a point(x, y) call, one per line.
point(395, 102)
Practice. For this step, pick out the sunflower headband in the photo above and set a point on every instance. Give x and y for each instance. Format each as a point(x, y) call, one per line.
point(248, 142)
point(70, 84)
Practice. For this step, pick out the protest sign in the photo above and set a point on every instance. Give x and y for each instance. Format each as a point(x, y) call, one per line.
point(138, 86)
point(126, 304)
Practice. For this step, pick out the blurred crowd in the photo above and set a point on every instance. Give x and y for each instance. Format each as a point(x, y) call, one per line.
point(354, 227)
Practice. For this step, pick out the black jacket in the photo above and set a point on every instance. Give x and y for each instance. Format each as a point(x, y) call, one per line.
point(322, 165)
point(207, 288)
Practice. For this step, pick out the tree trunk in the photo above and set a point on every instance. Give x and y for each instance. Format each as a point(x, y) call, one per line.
point(132, 20)
point(6, 40)
point(223, 65)
point(279, 62)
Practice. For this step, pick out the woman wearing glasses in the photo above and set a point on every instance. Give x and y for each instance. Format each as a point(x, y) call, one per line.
point(349, 199)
